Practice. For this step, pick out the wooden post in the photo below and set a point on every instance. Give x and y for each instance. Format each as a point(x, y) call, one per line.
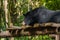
point(57, 37)
point(6, 14)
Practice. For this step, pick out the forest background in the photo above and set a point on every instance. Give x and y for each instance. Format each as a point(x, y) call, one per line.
point(11, 13)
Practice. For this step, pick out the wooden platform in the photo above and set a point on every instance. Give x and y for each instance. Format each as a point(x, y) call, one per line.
point(37, 29)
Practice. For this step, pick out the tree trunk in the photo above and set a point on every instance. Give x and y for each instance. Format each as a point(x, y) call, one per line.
point(6, 14)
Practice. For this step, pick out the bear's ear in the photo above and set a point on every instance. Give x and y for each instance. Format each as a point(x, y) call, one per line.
point(24, 14)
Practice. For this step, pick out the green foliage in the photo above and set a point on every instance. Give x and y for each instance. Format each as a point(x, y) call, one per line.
point(52, 4)
point(40, 37)
point(21, 19)
point(2, 19)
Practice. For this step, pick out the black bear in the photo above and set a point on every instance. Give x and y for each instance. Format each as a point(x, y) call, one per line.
point(41, 15)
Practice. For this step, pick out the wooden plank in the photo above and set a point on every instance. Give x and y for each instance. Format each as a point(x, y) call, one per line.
point(5, 34)
point(37, 29)
point(49, 24)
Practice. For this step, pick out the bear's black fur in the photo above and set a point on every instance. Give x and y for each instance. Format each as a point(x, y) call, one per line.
point(41, 15)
